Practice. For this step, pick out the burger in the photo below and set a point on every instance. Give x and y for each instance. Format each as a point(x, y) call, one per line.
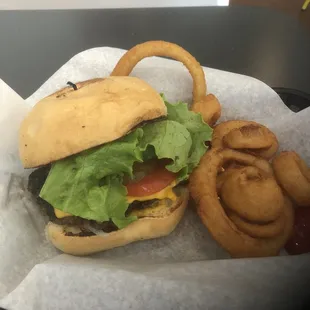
point(112, 160)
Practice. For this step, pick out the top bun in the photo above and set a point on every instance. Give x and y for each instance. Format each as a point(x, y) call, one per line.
point(99, 111)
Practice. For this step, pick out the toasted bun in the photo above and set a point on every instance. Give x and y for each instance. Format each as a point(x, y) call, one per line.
point(144, 228)
point(99, 111)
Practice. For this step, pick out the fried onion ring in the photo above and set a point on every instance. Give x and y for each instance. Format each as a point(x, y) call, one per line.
point(221, 177)
point(244, 187)
point(203, 188)
point(293, 175)
point(258, 230)
point(246, 136)
point(253, 229)
point(207, 105)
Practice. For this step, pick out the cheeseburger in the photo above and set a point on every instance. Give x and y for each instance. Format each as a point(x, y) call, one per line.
point(112, 159)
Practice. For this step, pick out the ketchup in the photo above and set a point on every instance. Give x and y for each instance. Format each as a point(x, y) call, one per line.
point(299, 243)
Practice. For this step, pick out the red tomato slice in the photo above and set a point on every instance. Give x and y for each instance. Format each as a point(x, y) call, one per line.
point(299, 243)
point(152, 183)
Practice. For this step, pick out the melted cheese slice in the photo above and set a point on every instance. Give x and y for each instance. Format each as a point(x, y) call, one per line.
point(167, 192)
point(61, 214)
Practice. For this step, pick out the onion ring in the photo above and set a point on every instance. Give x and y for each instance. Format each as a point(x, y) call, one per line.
point(207, 105)
point(246, 136)
point(253, 229)
point(222, 177)
point(244, 187)
point(293, 175)
point(203, 189)
point(256, 230)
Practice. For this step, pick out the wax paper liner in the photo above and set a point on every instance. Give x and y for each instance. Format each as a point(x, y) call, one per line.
point(186, 269)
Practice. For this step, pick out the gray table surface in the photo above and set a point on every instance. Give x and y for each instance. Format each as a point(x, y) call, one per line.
point(258, 42)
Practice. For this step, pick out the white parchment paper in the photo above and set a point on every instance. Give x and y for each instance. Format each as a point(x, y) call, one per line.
point(185, 270)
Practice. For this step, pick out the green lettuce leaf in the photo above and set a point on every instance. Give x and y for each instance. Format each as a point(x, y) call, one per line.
point(200, 132)
point(90, 184)
point(169, 139)
point(74, 183)
point(112, 194)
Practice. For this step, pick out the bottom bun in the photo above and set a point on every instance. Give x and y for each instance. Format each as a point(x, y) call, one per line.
point(142, 229)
